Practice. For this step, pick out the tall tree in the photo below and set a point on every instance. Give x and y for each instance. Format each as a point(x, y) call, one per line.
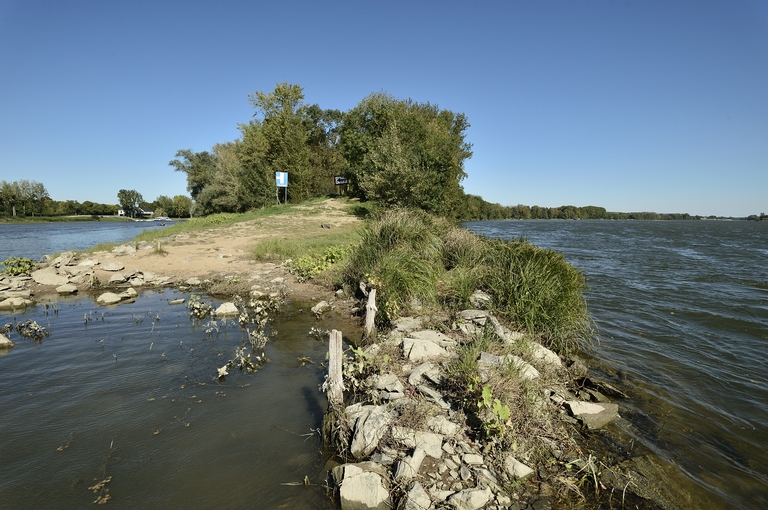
point(286, 136)
point(129, 200)
point(200, 168)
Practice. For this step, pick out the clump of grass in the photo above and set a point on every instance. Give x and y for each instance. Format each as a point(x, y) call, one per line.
point(410, 254)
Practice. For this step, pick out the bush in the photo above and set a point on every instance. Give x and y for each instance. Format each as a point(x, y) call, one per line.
point(16, 266)
point(411, 254)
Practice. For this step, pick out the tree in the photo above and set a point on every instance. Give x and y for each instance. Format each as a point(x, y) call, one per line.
point(286, 136)
point(200, 168)
point(129, 200)
point(430, 145)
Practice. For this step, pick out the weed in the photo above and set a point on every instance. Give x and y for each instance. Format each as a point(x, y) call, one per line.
point(17, 266)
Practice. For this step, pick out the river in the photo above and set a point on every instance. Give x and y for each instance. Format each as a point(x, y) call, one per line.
point(682, 314)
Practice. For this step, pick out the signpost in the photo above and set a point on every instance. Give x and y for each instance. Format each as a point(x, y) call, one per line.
point(281, 181)
point(342, 182)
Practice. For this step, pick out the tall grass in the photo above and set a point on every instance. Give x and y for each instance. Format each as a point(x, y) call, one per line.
point(410, 254)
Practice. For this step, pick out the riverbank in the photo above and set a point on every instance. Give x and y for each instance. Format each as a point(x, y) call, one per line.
point(222, 256)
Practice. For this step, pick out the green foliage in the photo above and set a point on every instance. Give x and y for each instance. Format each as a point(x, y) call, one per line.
point(129, 200)
point(408, 254)
point(538, 291)
point(16, 266)
point(310, 266)
point(497, 413)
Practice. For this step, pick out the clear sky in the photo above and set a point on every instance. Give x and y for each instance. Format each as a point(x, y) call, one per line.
point(630, 105)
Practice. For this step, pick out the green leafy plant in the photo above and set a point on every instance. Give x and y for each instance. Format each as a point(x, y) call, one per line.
point(498, 413)
point(16, 266)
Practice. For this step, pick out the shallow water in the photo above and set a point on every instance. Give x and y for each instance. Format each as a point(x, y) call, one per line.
point(130, 392)
point(33, 240)
point(682, 313)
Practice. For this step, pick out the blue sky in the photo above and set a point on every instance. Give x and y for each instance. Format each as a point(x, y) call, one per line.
point(630, 105)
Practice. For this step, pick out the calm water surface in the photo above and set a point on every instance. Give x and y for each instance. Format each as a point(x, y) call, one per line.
point(33, 240)
point(130, 392)
point(682, 312)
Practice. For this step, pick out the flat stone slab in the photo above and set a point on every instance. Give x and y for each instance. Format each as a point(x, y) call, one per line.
point(422, 350)
point(594, 416)
point(67, 288)
point(112, 266)
point(108, 298)
point(15, 303)
point(49, 276)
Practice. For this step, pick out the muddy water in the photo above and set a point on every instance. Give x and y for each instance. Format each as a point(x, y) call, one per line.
point(129, 394)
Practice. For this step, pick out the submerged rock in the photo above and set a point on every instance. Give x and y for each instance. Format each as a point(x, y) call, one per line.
point(108, 298)
point(5, 342)
point(227, 310)
point(593, 416)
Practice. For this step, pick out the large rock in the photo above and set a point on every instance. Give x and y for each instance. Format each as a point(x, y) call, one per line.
point(49, 276)
point(108, 298)
point(489, 361)
point(363, 490)
point(593, 416)
point(422, 350)
point(541, 353)
point(112, 266)
point(371, 425)
point(15, 303)
point(227, 310)
point(321, 307)
point(5, 342)
point(67, 288)
point(433, 336)
point(470, 499)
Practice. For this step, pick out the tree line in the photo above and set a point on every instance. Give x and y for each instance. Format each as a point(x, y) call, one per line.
point(475, 208)
point(392, 151)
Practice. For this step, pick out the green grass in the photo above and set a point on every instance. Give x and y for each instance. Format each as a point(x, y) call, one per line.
point(411, 255)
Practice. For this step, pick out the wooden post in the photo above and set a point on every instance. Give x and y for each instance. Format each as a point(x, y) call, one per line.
point(370, 313)
point(335, 378)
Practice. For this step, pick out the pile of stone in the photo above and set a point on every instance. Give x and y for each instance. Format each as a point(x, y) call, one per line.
point(440, 463)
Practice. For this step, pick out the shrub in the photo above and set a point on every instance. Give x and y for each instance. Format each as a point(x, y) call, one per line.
point(16, 266)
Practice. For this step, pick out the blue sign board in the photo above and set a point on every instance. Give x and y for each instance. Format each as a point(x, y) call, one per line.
point(281, 179)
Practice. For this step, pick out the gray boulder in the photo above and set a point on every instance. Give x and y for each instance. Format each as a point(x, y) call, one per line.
point(67, 288)
point(371, 425)
point(108, 298)
point(362, 490)
point(470, 499)
point(594, 416)
point(5, 342)
point(112, 266)
point(49, 276)
point(15, 303)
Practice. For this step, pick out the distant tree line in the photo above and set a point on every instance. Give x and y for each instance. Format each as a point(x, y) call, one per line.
point(475, 208)
point(23, 197)
point(394, 152)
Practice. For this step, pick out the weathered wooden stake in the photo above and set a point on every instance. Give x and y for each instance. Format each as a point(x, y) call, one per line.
point(335, 378)
point(370, 313)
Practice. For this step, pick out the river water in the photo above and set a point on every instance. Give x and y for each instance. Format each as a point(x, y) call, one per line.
point(682, 314)
point(33, 240)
